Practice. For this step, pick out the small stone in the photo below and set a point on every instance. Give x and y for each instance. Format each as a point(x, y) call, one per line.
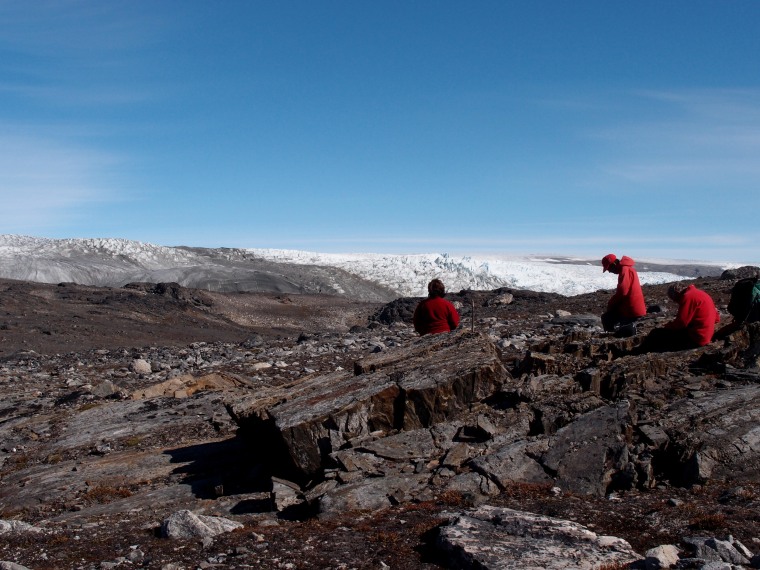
point(140, 366)
point(665, 556)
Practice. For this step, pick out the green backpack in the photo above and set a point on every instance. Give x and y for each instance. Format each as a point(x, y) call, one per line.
point(744, 305)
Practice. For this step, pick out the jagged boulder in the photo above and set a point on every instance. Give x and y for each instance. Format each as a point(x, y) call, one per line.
point(433, 380)
point(715, 550)
point(614, 379)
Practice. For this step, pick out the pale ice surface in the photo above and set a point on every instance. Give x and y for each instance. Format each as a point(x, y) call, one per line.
point(410, 274)
point(144, 254)
point(103, 260)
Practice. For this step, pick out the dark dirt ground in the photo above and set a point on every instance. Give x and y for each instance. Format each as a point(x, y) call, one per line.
point(52, 319)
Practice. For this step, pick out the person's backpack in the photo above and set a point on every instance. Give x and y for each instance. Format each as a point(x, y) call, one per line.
point(744, 305)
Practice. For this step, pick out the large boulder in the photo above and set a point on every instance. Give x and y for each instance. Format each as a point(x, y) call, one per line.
point(431, 381)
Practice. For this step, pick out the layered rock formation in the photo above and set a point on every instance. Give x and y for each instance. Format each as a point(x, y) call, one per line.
point(518, 440)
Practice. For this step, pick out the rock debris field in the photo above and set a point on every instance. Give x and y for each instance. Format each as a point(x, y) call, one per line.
point(154, 426)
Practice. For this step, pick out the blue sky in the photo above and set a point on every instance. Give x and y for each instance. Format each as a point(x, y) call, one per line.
point(503, 126)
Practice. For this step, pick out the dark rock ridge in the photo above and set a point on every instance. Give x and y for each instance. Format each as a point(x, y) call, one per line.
point(529, 437)
point(435, 379)
point(744, 272)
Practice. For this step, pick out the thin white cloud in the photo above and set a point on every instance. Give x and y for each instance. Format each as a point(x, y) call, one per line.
point(71, 27)
point(44, 182)
point(699, 137)
point(81, 95)
point(68, 52)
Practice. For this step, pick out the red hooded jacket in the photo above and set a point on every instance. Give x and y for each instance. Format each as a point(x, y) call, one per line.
point(697, 314)
point(628, 300)
point(435, 315)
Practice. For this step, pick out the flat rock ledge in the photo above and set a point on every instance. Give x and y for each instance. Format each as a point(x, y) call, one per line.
point(431, 381)
point(491, 537)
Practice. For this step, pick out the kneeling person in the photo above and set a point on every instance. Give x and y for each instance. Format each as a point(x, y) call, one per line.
point(693, 326)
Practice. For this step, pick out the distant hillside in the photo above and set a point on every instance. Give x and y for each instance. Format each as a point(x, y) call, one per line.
point(114, 263)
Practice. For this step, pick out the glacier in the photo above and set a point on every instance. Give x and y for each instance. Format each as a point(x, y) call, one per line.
point(115, 262)
point(409, 274)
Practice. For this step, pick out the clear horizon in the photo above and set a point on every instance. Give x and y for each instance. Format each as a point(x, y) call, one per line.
point(505, 127)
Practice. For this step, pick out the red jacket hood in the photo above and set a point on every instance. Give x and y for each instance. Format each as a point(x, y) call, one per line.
point(625, 260)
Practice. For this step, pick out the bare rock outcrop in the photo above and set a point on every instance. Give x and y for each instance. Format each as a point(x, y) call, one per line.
point(374, 434)
point(746, 271)
point(716, 435)
point(490, 538)
point(431, 381)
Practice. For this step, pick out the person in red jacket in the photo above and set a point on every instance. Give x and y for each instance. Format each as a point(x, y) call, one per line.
point(693, 326)
point(627, 304)
point(697, 315)
point(435, 314)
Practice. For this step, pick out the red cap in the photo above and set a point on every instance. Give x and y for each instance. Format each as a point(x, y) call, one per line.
point(608, 260)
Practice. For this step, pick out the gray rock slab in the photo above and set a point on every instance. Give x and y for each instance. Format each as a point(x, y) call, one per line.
point(498, 538)
point(718, 434)
point(306, 421)
point(514, 462)
point(421, 347)
point(473, 485)
point(186, 524)
point(352, 460)
point(440, 386)
point(69, 480)
point(372, 494)
point(538, 386)
point(405, 446)
point(8, 526)
point(577, 320)
point(63, 481)
point(158, 502)
point(612, 380)
point(714, 550)
point(457, 455)
point(586, 453)
point(132, 419)
point(5, 565)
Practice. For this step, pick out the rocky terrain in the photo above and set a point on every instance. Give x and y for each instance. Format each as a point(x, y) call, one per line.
point(162, 427)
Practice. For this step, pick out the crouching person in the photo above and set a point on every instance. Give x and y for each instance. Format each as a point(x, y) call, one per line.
point(435, 314)
point(693, 326)
point(744, 306)
point(627, 304)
